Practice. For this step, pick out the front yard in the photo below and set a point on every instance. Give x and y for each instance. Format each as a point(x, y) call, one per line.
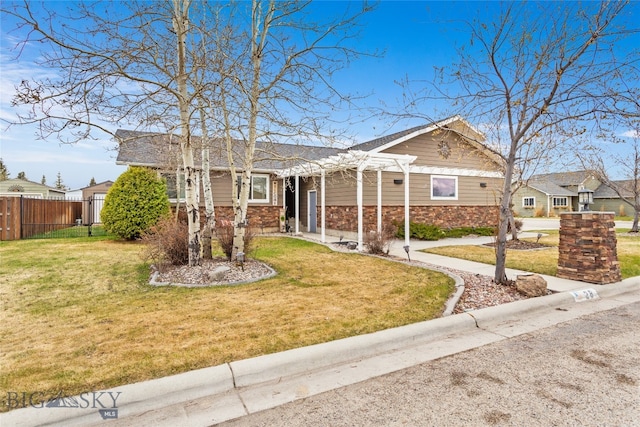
point(545, 261)
point(79, 315)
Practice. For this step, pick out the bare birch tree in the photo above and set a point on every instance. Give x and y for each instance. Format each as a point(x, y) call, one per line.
point(535, 83)
point(279, 87)
point(124, 66)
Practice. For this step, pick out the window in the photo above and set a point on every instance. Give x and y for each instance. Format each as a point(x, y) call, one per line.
point(529, 202)
point(444, 187)
point(172, 190)
point(258, 188)
point(560, 202)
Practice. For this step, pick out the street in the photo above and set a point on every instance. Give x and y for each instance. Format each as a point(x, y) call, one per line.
point(585, 372)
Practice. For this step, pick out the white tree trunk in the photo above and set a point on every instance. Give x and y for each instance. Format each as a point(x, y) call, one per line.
point(209, 210)
point(181, 26)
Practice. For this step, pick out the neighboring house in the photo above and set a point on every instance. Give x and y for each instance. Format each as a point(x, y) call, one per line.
point(554, 193)
point(93, 197)
point(74, 194)
point(23, 187)
point(607, 200)
point(440, 174)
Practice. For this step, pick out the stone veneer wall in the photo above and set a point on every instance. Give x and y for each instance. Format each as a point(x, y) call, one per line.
point(262, 218)
point(587, 250)
point(345, 218)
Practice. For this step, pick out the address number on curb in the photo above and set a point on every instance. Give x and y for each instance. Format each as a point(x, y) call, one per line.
point(585, 295)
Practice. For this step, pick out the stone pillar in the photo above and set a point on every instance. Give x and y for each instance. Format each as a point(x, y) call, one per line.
point(587, 250)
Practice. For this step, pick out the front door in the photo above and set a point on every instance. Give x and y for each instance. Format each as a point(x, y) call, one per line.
point(313, 215)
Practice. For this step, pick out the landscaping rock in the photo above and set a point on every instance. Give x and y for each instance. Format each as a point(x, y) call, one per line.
point(531, 285)
point(219, 272)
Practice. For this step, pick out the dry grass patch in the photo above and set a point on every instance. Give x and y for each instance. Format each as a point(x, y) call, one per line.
point(78, 314)
point(544, 261)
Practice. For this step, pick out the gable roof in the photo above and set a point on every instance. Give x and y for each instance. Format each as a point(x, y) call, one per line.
point(456, 124)
point(18, 182)
point(606, 192)
point(565, 179)
point(550, 188)
point(95, 185)
point(163, 150)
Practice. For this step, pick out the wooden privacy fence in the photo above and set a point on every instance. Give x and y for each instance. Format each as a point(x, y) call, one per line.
point(23, 217)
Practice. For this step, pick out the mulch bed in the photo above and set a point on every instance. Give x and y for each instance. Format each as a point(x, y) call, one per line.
point(522, 245)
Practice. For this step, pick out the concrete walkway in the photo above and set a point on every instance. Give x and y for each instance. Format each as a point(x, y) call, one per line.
point(212, 395)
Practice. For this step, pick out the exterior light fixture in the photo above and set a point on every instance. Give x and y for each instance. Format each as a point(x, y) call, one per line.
point(585, 198)
point(406, 249)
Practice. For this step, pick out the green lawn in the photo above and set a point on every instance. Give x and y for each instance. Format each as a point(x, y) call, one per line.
point(545, 261)
point(79, 315)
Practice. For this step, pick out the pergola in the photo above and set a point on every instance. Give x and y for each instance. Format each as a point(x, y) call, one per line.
point(359, 161)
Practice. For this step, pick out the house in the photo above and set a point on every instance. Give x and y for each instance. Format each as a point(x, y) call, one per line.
point(93, 197)
point(441, 173)
point(553, 193)
point(23, 187)
point(607, 200)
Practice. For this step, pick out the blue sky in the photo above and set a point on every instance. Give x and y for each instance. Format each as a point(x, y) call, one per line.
point(415, 36)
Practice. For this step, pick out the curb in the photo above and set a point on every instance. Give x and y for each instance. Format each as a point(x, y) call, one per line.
point(272, 367)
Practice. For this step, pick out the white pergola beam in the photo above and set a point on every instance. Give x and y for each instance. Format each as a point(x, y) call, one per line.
point(361, 161)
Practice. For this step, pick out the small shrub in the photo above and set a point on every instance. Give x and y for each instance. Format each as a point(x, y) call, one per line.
point(224, 233)
point(539, 212)
point(622, 211)
point(379, 242)
point(467, 231)
point(421, 231)
point(134, 203)
point(433, 232)
point(167, 243)
point(518, 222)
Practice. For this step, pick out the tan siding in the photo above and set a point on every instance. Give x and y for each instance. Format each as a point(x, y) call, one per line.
point(341, 190)
point(425, 147)
point(221, 186)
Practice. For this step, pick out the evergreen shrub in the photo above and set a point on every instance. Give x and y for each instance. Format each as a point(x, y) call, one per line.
point(134, 203)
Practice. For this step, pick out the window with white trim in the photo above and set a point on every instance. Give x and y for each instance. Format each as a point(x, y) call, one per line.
point(444, 187)
point(258, 188)
point(529, 202)
point(560, 202)
point(172, 189)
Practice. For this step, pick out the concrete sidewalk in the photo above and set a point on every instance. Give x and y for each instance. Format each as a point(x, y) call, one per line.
point(208, 396)
point(555, 284)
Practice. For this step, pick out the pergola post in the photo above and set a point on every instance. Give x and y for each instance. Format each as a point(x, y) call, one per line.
point(379, 211)
point(406, 206)
point(322, 201)
point(297, 203)
point(359, 202)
